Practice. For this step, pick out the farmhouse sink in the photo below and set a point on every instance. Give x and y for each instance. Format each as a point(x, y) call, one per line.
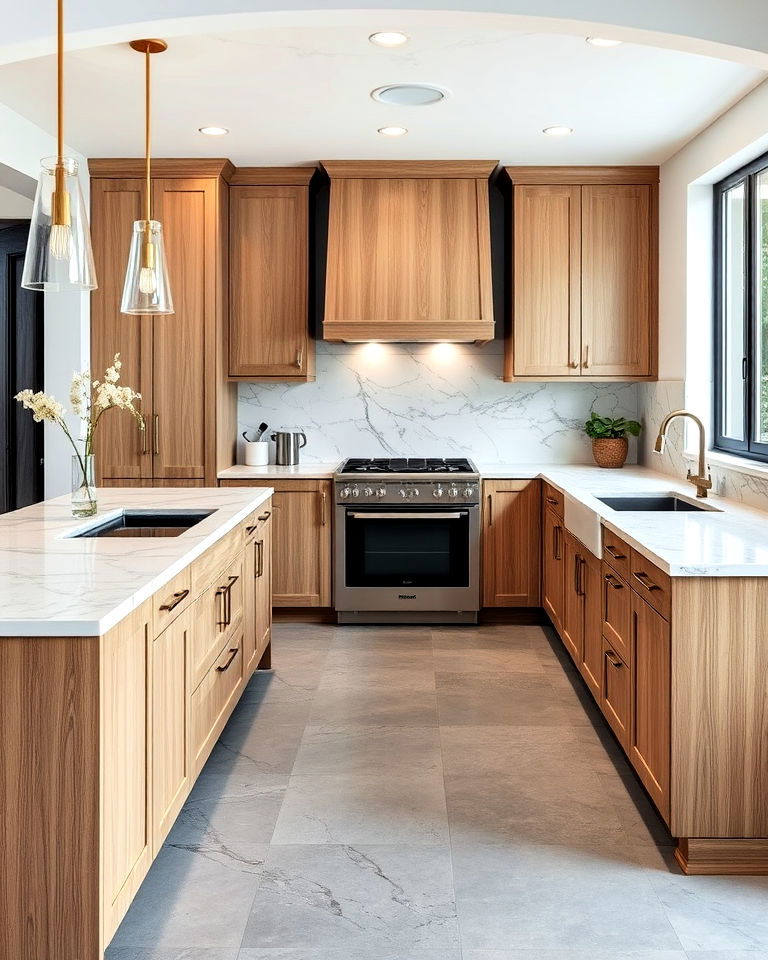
point(145, 523)
point(655, 503)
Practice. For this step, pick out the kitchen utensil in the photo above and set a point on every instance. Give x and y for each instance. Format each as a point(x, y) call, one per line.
point(288, 446)
point(260, 431)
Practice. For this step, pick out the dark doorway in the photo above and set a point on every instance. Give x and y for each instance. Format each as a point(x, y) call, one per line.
point(21, 366)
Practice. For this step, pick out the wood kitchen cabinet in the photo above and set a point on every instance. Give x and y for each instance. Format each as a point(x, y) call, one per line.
point(581, 616)
point(409, 251)
point(553, 567)
point(301, 540)
point(268, 336)
point(511, 543)
point(257, 576)
point(585, 274)
point(176, 362)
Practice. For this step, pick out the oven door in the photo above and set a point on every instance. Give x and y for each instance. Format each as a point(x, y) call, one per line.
point(407, 558)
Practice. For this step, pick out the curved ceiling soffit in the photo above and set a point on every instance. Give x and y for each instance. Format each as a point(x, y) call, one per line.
point(701, 27)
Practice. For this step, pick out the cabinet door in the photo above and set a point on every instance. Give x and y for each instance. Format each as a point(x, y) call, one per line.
point(301, 551)
point(553, 567)
point(171, 758)
point(651, 690)
point(617, 612)
point(409, 252)
point(592, 646)
point(616, 285)
point(268, 283)
point(124, 452)
point(547, 282)
point(512, 543)
point(615, 694)
point(573, 606)
point(263, 593)
point(188, 211)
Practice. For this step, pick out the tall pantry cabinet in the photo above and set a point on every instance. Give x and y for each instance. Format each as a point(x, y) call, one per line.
point(176, 362)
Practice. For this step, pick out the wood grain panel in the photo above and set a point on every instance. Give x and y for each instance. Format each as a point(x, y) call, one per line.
point(720, 707)
point(590, 664)
point(123, 452)
point(553, 499)
point(581, 175)
point(546, 335)
point(410, 169)
point(49, 798)
point(272, 176)
point(572, 633)
point(268, 323)
point(616, 315)
point(616, 698)
point(737, 857)
point(553, 568)
point(651, 583)
point(616, 612)
point(511, 543)
point(649, 743)
point(617, 552)
point(215, 698)
point(182, 167)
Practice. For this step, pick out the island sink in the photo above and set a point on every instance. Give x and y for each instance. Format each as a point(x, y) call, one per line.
point(145, 523)
point(655, 503)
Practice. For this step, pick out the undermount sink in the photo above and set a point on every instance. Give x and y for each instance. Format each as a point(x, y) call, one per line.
point(145, 523)
point(655, 503)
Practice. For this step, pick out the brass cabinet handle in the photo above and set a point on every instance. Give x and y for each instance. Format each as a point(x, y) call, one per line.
point(552, 500)
point(613, 582)
point(611, 657)
point(228, 588)
point(300, 357)
point(646, 581)
point(249, 530)
point(582, 577)
point(228, 664)
point(576, 575)
point(156, 434)
point(143, 432)
point(175, 600)
point(322, 507)
point(490, 510)
point(259, 545)
point(586, 357)
point(221, 617)
point(265, 516)
point(558, 542)
point(574, 364)
point(615, 553)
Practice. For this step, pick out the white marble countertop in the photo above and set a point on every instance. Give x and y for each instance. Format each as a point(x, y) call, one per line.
point(300, 471)
point(55, 585)
point(732, 542)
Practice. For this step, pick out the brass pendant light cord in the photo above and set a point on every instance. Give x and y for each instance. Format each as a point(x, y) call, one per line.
point(147, 130)
point(60, 79)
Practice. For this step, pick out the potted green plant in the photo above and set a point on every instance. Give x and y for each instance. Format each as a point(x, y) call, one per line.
point(609, 439)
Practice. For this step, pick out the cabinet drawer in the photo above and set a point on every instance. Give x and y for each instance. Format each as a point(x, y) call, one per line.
point(554, 500)
point(169, 602)
point(208, 567)
point(652, 584)
point(616, 552)
point(219, 615)
point(214, 699)
point(615, 698)
point(256, 522)
point(617, 611)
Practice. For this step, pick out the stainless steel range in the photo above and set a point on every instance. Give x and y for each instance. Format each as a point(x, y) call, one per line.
point(407, 541)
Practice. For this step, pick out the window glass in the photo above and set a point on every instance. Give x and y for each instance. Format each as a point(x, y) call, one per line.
point(761, 308)
point(733, 348)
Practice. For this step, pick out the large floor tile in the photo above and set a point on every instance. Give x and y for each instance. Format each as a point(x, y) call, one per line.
point(364, 808)
point(532, 753)
point(368, 749)
point(507, 699)
point(591, 953)
point(171, 953)
point(488, 661)
point(268, 747)
point(373, 705)
point(362, 952)
point(419, 679)
point(347, 898)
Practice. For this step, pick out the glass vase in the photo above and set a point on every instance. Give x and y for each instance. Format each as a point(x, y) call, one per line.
point(83, 486)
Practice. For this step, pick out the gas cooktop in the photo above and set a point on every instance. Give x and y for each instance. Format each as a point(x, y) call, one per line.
point(401, 465)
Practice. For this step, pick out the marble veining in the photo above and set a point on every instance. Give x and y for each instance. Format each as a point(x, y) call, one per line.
point(431, 400)
point(55, 585)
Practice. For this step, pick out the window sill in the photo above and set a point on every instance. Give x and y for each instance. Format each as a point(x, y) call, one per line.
point(753, 468)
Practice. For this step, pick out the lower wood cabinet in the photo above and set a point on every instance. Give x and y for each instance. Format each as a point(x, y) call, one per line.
point(553, 567)
point(214, 699)
point(301, 540)
point(511, 543)
point(615, 696)
point(257, 577)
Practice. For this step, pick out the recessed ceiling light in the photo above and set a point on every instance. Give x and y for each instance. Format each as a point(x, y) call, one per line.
point(393, 131)
point(603, 42)
point(388, 38)
point(409, 94)
point(213, 131)
point(558, 131)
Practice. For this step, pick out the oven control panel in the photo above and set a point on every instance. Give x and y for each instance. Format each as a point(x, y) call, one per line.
point(421, 492)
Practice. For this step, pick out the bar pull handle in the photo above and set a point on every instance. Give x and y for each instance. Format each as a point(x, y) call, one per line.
point(586, 357)
point(574, 364)
point(582, 577)
point(156, 434)
point(259, 546)
point(249, 530)
point(175, 600)
point(611, 657)
point(265, 516)
point(228, 588)
point(646, 581)
point(576, 575)
point(553, 500)
point(143, 433)
point(228, 664)
point(613, 582)
point(490, 510)
point(323, 498)
point(615, 553)
point(221, 616)
point(300, 357)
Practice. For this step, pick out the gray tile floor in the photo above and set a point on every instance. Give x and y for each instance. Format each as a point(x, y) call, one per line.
point(411, 793)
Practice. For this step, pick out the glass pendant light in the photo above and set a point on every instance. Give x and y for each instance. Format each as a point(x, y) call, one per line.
point(146, 289)
point(59, 254)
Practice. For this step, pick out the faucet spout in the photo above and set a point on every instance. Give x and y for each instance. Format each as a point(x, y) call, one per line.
point(703, 479)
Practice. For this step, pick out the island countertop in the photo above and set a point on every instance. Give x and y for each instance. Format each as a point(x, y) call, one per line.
point(54, 584)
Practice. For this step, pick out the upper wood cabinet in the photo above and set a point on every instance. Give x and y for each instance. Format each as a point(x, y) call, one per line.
point(176, 362)
point(409, 251)
point(585, 251)
point(268, 275)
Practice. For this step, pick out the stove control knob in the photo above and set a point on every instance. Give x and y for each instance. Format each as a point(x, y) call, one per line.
point(469, 490)
point(403, 493)
point(368, 492)
point(381, 492)
point(415, 492)
point(454, 491)
point(344, 493)
point(438, 492)
point(355, 491)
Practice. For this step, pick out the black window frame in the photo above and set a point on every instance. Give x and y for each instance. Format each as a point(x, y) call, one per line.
point(748, 174)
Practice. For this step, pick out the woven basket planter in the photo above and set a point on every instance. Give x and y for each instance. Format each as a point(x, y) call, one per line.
point(610, 452)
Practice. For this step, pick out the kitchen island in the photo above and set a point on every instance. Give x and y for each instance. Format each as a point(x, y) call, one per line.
point(121, 659)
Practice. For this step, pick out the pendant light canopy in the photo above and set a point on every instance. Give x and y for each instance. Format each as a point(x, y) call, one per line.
point(146, 289)
point(59, 254)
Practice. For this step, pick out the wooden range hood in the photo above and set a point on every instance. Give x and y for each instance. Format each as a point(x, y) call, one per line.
point(409, 251)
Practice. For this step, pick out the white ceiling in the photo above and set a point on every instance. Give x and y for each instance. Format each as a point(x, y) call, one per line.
point(296, 95)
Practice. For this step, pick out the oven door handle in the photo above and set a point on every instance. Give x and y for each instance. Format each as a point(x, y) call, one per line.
point(407, 516)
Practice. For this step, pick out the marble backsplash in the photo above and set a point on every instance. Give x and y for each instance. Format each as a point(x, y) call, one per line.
point(425, 400)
